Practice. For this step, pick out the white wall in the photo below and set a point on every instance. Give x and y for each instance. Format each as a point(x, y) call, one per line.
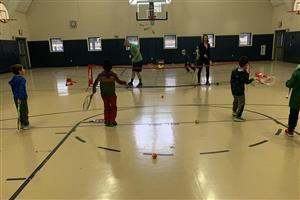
point(116, 18)
point(288, 20)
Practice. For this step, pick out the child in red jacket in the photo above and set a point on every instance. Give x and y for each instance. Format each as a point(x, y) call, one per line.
point(107, 80)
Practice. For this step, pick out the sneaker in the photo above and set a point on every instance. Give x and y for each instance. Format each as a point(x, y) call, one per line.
point(114, 123)
point(239, 119)
point(109, 125)
point(25, 127)
point(233, 114)
point(207, 83)
point(289, 133)
point(139, 85)
point(129, 84)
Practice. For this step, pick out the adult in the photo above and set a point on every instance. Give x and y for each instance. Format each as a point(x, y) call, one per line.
point(137, 62)
point(204, 58)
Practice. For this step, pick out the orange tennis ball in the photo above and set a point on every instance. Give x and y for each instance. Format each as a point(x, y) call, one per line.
point(154, 156)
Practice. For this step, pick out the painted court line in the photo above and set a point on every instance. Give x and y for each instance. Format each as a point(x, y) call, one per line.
point(15, 179)
point(258, 143)
point(159, 154)
point(80, 139)
point(278, 132)
point(109, 149)
point(214, 152)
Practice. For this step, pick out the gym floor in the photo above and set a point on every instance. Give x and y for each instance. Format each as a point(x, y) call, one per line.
point(202, 153)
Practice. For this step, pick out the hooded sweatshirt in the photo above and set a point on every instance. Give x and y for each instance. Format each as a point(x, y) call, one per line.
point(18, 87)
point(294, 83)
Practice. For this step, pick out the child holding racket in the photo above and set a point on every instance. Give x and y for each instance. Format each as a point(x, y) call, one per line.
point(107, 80)
point(294, 85)
point(240, 77)
point(18, 87)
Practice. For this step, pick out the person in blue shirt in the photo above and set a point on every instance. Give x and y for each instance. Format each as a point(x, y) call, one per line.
point(18, 87)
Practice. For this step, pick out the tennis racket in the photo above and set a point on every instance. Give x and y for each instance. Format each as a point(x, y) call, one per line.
point(87, 102)
point(289, 93)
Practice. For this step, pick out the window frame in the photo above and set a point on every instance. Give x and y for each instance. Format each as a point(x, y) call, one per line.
point(176, 42)
point(88, 44)
point(51, 45)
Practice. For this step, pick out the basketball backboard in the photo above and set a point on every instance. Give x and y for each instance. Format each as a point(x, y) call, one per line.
point(151, 10)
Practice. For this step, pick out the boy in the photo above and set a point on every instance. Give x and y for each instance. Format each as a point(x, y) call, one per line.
point(18, 87)
point(107, 80)
point(187, 61)
point(294, 84)
point(240, 77)
point(137, 63)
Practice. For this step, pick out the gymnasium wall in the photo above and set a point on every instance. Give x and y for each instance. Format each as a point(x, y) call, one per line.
point(76, 53)
point(112, 19)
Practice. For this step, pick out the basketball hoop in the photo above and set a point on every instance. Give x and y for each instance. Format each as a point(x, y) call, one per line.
point(4, 17)
point(152, 19)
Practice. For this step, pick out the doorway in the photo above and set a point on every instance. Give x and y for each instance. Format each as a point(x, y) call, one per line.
point(23, 52)
point(279, 45)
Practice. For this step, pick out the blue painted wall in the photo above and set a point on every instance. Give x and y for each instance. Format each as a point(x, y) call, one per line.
point(9, 54)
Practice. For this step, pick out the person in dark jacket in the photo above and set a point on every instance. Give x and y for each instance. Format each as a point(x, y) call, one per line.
point(240, 77)
point(18, 87)
point(187, 60)
point(294, 85)
point(204, 59)
point(107, 80)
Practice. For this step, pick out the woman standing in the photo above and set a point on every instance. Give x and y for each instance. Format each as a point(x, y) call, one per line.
point(204, 59)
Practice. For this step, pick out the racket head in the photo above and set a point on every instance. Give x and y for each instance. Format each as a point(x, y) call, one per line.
point(87, 102)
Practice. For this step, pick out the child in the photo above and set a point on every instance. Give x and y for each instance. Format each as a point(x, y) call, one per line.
point(18, 87)
point(107, 80)
point(187, 62)
point(294, 84)
point(240, 77)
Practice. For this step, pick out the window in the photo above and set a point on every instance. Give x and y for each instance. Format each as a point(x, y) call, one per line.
point(56, 45)
point(170, 42)
point(211, 39)
point(94, 44)
point(245, 39)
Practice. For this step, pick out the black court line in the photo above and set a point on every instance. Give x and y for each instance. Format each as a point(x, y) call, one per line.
point(159, 154)
point(40, 166)
point(258, 143)
point(278, 132)
point(80, 139)
point(214, 152)
point(15, 179)
point(208, 105)
point(61, 133)
point(109, 149)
